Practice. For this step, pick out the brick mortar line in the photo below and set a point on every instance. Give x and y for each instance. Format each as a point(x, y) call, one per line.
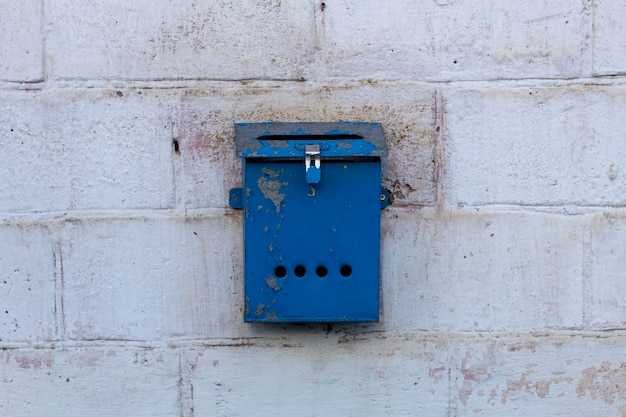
point(192, 84)
point(175, 214)
point(70, 216)
point(299, 339)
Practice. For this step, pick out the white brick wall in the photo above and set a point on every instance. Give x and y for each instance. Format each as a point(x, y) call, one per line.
point(399, 376)
point(458, 40)
point(153, 279)
point(462, 272)
point(83, 150)
point(536, 146)
point(180, 40)
point(21, 49)
point(94, 381)
point(27, 284)
point(503, 255)
point(609, 55)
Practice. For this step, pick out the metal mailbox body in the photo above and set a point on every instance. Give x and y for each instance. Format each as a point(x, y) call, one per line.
point(311, 202)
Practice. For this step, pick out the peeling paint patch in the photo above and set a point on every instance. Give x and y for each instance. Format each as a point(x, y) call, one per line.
point(270, 172)
point(272, 283)
point(271, 191)
point(283, 144)
point(344, 145)
point(259, 309)
point(604, 383)
point(540, 388)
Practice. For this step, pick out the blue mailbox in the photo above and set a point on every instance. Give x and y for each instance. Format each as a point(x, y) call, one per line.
point(311, 202)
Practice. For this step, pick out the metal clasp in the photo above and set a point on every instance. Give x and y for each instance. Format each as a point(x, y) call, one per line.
point(313, 172)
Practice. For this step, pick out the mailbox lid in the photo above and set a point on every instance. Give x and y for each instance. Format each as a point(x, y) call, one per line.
point(287, 139)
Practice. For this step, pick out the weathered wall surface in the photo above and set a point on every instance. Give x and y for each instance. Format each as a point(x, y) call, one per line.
point(503, 255)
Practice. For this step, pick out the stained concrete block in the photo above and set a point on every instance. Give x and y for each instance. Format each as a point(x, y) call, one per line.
point(459, 271)
point(546, 376)
point(155, 40)
point(205, 132)
point(399, 376)
point(609, 41)
point(535, 146)
point(82, 149)
point(605, 289)
point(21, 48)
point(452, 40)
point(84, 381)
point(153, 279)
point(29, 279)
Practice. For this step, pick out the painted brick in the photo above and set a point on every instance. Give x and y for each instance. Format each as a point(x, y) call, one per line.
point(605, 290)
point(21, 48)
point(206, 134)
point(180, 40)
point(544, 146)
point(466, 271)
point(143, 279)
point(450, 40)
point(534, 376)
point(28, 266)
point(81, 149)
point(89, 382)
point(323, 376)
point(609, 41)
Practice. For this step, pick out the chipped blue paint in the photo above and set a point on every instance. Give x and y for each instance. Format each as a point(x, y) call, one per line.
point(293, 148)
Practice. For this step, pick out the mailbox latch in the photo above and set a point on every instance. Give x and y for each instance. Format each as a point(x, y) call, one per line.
point(313, 172)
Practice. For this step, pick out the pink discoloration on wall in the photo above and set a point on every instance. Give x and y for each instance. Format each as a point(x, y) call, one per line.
point(437, 373)
point(475, 373)
point(540, 388)
point(35, 361)
point(605, 383)
point(83, 331)
point(203, 134)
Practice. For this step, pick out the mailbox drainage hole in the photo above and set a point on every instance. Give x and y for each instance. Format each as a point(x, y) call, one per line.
point(346, 271)
point(280, 272)
point(300, 271)
point(321, 271)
